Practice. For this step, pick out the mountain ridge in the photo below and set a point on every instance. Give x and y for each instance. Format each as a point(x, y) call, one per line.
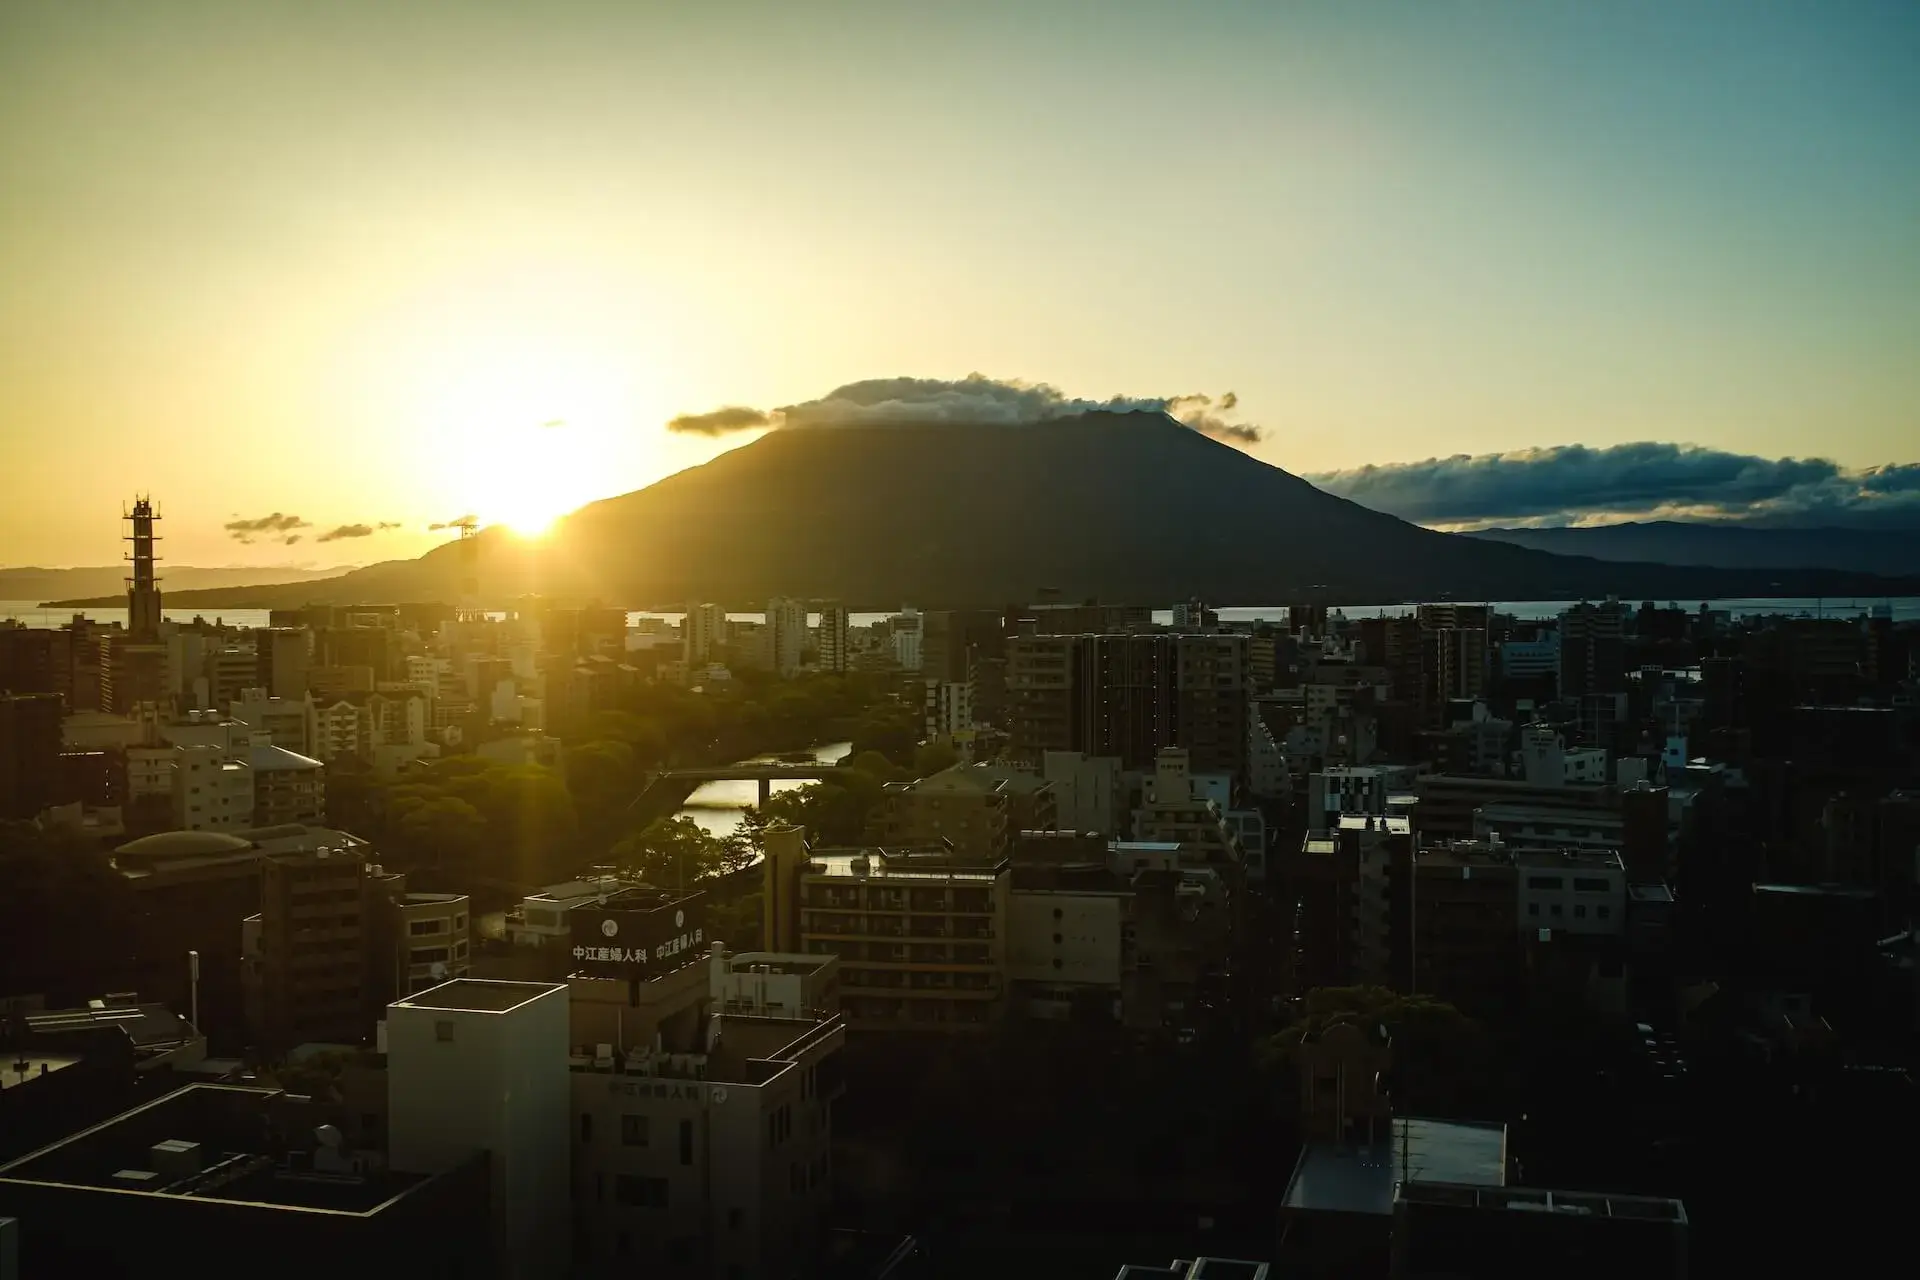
point(1115, 505)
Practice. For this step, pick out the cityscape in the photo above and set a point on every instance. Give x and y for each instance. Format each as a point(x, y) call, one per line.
point(503, 776)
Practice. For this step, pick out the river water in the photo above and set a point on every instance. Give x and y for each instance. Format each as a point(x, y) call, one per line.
point(718, 806)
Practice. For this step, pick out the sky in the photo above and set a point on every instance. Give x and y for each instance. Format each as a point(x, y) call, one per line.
point(328, 266)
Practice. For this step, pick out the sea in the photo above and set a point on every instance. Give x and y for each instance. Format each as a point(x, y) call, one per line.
point(1902, 609)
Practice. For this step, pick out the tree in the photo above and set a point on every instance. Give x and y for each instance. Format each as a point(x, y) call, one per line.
point(1442, 1058)
point(439, 830)
point(602, 776)
point(932, 757)
point(673, 853)
point(894, 732)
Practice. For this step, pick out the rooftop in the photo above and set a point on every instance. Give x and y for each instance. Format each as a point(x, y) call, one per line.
point(908, 865)
point(479, 995)
point(1590, 859)
point(1336, 1177)
point(18, 1069)
point(1586, 1204)
point(182, 844)
point(279, 758)
point(218, 1142)
point(1392, 824)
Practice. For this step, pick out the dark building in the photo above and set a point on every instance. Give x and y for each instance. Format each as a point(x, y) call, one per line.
point(34, 660)
point(1593, 650)
point(239, 1175)
point(1129, 696)
point(1459, 1231)
point(372, 647)
point(30, 739)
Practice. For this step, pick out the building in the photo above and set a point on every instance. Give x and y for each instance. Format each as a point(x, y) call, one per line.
point(1129, 696)
point(1556, 826)
point(906, 635)
point(835, 657)
point(1575, 891)
point(212, 791)
point(1348, 789)
point(785, 636)
point(918, 932)
point(314, 956)
point(285, 722)
point(1451, 1229)
point(976, 809)
point(702, 1135)
point(949, 711)
point(430, 940)
point(245, 1174)
point(1090, 793)
point(482, 1067)
point(1196, 1269)
point(1174, 810)
point(287, 786)
point(1448, 802)
point(1593, 650)
point(30, 745)
point(282, 656)
point(1102, 931)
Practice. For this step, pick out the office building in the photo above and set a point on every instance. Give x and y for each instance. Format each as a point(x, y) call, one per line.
point(285, 722)
point(918, 932)
point(1174, 810)
point(478, 1066)
point(1355, 789)
point(948, 712)
point(212, 790)
point(246, 1174)
point(311, 961)
point(1572, 891)
point(835, 657)
point(785, 636)
point(955, 642)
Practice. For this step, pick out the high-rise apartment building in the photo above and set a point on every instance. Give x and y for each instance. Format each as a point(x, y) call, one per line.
point(1130, 696)
point(785, 635)
point(703, 633)
point(1593, 650)
point(832, 644)
point(29, 753)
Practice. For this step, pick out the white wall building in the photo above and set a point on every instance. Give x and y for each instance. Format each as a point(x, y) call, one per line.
point(482, 1066)
point(211, 790)
point(1581, 892)
point(286, 722)
point(1525, 659)
point(949, 710)
point(907, 639)
point(703, 633)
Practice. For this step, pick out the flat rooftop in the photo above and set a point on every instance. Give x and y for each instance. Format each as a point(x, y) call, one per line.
point(216, 1142)
point(905, 865)
point(1338, 1177)
point(20, 1069)
point(479, 995)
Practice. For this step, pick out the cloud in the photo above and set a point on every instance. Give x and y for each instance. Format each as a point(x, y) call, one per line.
point(733, 417)
point(292, 538)
point(1574, 484)
point(975, 399)
point(384, 525)
point(454, 523)
point(241, 530)
point(346, 531)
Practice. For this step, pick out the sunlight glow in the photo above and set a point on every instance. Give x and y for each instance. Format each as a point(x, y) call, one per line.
point(519, 423)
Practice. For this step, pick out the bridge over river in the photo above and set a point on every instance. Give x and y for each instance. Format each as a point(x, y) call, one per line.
point(766, 773)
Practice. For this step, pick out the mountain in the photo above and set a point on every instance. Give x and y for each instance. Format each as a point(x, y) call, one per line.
point(45, 584)
point(1728, 546)
point(1122, 506)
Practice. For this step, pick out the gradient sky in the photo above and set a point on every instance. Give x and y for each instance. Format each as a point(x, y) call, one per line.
point(343, 259)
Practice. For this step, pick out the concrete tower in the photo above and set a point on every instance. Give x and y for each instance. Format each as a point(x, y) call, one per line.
point(143, 588)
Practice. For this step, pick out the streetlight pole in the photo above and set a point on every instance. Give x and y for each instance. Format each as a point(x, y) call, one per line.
point(193, 988)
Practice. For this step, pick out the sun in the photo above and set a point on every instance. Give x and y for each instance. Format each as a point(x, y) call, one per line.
point(517, 426)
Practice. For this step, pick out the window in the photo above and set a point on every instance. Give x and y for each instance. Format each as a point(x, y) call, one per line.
point(586, 1126)
point(1587, 884)
point(443, 1032)
point(1580, 911)
point(633, 1131)
point(1533, 908)
point(1543, 882)
point(686, 1142)
point(734, 1218)
point(427, 955)
point(639, 1192)
point(421, 927)
point(1603, 911)
point(1558, 910)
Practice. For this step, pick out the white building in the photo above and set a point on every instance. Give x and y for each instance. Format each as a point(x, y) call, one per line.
point(785, 635)
point(482, 1066)
point(1171, 812)
point(212, 791)
point(286, 722)
point(832, 641)
point(1525, 659)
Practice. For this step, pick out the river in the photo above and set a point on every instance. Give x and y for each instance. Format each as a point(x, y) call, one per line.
point(718, 806)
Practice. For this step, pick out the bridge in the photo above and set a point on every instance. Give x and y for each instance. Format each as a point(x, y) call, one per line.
point(765, 773)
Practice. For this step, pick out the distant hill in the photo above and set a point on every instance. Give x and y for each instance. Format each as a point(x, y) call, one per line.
point(104, 580)
point(1123, 506)
point(1728, 546)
